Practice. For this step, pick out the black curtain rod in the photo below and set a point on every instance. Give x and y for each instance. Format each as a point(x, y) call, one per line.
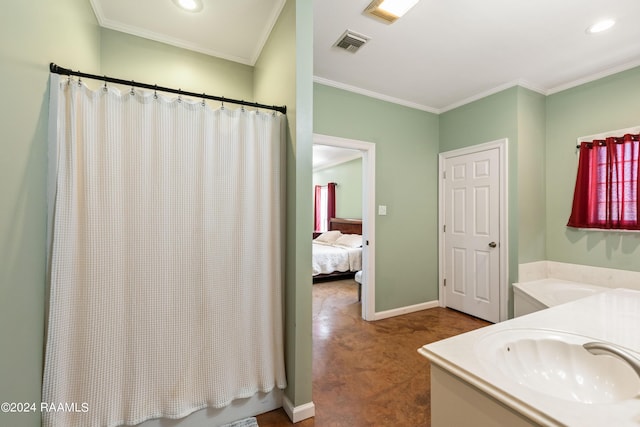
point(67, 72)
point(616, 139)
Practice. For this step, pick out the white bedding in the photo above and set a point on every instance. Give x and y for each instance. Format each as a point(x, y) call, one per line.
point(329, 258)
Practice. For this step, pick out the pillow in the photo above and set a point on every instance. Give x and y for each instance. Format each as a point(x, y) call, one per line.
point(349, 241)
point(328, 237)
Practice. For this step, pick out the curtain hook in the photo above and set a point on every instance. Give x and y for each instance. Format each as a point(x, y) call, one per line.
point(79, 81)
point(179, 94)
point(222, 106)
point(132, 91)
point(155, 91)
point(203, 96)
point(104, 87)
point(242, 106)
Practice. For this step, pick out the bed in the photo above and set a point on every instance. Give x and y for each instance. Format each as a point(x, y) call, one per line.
point(337, 254)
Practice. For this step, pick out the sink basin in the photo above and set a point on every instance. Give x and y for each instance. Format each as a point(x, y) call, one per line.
point(556, 364)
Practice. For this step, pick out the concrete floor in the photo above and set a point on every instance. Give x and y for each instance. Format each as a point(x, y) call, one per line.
point(370, 373)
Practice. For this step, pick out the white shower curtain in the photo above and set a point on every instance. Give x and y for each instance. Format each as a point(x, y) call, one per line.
point(166, 256)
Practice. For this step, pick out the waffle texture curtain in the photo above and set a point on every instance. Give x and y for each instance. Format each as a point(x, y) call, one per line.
point(166, 256)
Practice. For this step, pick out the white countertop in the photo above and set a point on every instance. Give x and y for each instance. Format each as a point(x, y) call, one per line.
point(612, 316)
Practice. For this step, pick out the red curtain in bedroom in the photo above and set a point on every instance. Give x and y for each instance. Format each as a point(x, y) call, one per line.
point(607, 193)
point(324, 206)
point(317, 208)
point(331, 201)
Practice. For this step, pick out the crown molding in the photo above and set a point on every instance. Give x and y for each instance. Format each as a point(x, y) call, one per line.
point(594, 77)
point(375, 95)
point(521, 82)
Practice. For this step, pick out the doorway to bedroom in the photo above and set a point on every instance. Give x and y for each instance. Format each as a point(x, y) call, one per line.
point(362, 202)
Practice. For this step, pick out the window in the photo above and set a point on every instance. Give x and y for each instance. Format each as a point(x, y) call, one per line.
point(324, 206)
point(606, 191)
point(321, 213)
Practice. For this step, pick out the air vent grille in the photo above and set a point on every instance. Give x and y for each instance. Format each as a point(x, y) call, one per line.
point(351, 41)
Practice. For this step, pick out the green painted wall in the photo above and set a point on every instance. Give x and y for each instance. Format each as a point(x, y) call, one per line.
point(348, 176)
point(135, 58)
point(610, 103)
point(531, 177)
point(283, 74)
point(33, 33)
point(487, 119)
point(301, 199)
point(406, 182)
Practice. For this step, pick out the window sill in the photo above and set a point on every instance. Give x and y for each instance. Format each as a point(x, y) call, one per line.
point(606, 230)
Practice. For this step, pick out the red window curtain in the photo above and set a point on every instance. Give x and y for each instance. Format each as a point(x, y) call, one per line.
point(606, 194)
point(324, 206)
point(331, 201)
point(317, 208)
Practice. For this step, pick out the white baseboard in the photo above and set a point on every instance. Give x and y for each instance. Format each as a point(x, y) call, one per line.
point(405, 310)
point(298, 413)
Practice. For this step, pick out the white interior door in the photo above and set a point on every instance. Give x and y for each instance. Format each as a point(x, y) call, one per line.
point(471, 233)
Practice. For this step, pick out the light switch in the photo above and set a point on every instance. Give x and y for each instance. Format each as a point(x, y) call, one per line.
point(382, 210)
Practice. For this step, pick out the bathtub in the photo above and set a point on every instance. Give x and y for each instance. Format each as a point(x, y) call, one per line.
point(536, 295)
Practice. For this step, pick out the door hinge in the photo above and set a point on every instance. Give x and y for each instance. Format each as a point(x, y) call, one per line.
point(444, 228)
point(444, 174)
point(445, 282)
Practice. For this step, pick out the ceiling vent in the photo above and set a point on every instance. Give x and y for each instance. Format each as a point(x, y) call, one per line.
point(351, 41)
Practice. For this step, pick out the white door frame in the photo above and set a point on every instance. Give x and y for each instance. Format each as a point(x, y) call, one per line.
point(368, 150)
point(502, 146)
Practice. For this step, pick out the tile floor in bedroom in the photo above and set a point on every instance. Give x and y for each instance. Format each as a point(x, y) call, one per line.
point(370, 373)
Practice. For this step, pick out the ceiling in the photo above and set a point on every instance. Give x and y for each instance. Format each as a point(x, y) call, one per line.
point(325, 156)
point(440, 55)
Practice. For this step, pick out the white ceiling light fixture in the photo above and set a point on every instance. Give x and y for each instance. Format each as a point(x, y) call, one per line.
point(601, 26)
point(189, 5)
point(389, 10)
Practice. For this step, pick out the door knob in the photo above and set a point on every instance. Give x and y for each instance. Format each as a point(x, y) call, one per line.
point(493, 244)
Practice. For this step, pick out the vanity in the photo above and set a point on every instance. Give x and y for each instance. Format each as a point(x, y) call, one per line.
point(534, 370)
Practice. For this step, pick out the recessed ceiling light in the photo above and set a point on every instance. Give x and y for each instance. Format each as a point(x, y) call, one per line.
point(601, 26)
point(389, 10)
point(189, 5)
